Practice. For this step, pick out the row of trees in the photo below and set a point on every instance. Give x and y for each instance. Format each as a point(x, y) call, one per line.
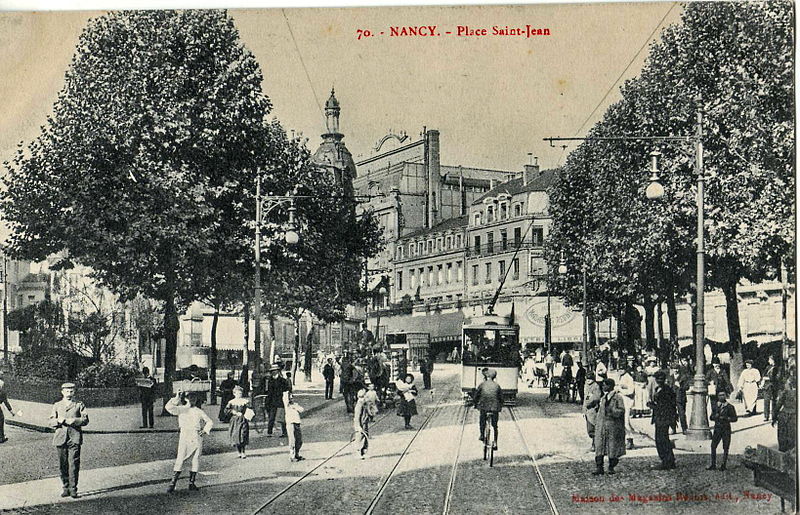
point(146, 172)
point(734, 62)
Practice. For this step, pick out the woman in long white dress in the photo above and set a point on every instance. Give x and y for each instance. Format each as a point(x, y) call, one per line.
point(748, 385)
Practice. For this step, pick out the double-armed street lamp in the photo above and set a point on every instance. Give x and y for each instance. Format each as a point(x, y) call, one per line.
point(698, 423)
point(548, 319)
point(264, 206)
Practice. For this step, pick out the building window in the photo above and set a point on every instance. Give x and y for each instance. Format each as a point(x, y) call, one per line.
point(517, 236)
point(449, 242)
point(440, 274)
point(439, 244)
point(419, 248)
point(490, 242)
point(504, 239)
point(413, 279)
point(517, 209)
point(430, 246)
point(488, 273)
point(503, 211)
point(458, 241)
point(459, 272)
point(502, 270)
point(430, 277)
point(399, 281)
point(449, 273)
point(422, 281)
point(515, 269)
point(490, 214)
point(474, 275)
point(399, 252)
point(477, 219)
point(538, 236)
point(477, 244)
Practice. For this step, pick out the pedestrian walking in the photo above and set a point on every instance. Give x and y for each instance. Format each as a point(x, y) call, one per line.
point(68, 417)
point(770, 387)
point(593, 392)
point(664, 409)
point(488, 399)
point(681, 382)
point(329, 373)
point(147, 394)
point(722, 416)
point(785, 415)
point(425, 368)
point(361, 420)
point(276, 386)
point(4, 401)
point(748, 383)
point(717, 382)
point(408, 403)
point(236, 411)
point(194, 424)
point(609, 435)
point(293, 411)
point(226, 393)
point(244, 380)
point(627, 390)
point(346, 383)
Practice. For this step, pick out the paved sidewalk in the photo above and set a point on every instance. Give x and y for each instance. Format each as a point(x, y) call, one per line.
point(127, 419)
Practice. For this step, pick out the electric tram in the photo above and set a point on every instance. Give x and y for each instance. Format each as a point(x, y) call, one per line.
point(490, 341)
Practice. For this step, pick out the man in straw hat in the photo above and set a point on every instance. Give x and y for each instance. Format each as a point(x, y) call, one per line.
point(68, 418)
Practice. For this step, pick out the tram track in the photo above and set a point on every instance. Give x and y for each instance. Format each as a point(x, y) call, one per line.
point(338, 452)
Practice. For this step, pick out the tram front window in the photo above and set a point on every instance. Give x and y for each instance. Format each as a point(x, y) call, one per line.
point(488, 346)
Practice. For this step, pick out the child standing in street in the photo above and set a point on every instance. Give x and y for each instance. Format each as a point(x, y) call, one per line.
point(239, 430)
point(408, 399)
point(68, 417)
point(723, 415)
point(194, 424)
point(293, 412)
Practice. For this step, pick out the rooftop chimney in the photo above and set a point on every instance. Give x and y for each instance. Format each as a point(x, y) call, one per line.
point(531, 171)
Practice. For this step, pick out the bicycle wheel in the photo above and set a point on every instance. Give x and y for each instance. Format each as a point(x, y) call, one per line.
point(487, 439)
point(489, 445)
point(491, 448)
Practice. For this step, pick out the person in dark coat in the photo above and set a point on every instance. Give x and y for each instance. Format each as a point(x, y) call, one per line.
point(609, 433)
point(717, 381)
point(489, 399)
point(592, 394)
point(147, 395)
point(580, 382)
point(226, 394)
point(723, 415)
point(276, 385)
point(244, 380)
point(68, 418)
point(4, 401)
point(346, 382)
point(425, 368)
point(770, 387)
point(664, 409)
point(329, 373)
point(682, 380)
point(785, 415)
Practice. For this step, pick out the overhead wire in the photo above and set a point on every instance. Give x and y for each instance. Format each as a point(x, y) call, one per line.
point(302, 62)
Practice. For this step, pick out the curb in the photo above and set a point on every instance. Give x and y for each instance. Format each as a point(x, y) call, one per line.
point(47, 429)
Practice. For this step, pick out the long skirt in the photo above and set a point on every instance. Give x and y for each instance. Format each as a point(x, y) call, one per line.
point(640, 399)
point(407, 408)
point(750, 395)
point(239, 431)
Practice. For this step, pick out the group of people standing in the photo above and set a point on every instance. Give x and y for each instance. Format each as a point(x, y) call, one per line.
point(662, 393)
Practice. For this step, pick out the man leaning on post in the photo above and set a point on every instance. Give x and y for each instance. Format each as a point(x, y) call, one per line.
point(68, 417)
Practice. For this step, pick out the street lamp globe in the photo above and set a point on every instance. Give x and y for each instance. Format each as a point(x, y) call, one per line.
point(562, 269)
point(292, 238)
point(655, 190)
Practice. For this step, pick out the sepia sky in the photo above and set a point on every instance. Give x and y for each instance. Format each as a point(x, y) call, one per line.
point(492, 98)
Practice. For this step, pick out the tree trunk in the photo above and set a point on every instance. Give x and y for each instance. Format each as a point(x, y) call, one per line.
point(592, 336)
point(245, 352)
point(649, 324)
point(734, 328)
point(663, 348)
point(309, 350)
point(213, 359)
point(296, 349)
point(672, 319)
point(272, 340)
point(171, 328)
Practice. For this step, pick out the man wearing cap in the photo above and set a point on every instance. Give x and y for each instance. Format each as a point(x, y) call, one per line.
point(68, 417)
point(489, 399)
point(717, 382)
point(663, 404)
point(276, 385)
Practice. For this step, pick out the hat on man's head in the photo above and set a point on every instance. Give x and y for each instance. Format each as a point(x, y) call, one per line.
point(275, 367)
point(67, 385)
point(660, 374)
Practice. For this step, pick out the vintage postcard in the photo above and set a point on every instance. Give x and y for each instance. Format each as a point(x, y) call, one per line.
point(469, 259)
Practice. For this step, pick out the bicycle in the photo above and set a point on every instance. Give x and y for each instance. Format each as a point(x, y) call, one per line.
point(489, 438)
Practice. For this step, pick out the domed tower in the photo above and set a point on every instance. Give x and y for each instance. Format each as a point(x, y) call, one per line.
point(332, 152)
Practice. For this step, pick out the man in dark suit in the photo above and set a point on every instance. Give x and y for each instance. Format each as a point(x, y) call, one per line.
point(147, 385)
point(664, 409)
point(770, 386)
point(489, 399)
point(276, 385)
point(717, 382)
point(328, 372)
point(68, 417)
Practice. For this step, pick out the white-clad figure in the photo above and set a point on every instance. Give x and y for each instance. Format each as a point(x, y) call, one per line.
point(194, 424)
point(748, 385)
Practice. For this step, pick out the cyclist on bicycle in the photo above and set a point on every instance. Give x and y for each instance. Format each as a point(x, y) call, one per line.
point(489, 400)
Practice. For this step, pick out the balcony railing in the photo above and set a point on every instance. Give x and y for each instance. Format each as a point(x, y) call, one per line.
point(499, 247)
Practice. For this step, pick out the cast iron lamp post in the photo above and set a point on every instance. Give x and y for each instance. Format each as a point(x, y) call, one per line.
point(698, 423)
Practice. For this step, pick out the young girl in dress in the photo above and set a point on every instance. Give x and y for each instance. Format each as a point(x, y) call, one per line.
point(408, 403)
point(239, 429)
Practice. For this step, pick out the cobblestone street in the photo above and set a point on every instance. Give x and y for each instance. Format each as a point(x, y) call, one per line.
point(415, 467)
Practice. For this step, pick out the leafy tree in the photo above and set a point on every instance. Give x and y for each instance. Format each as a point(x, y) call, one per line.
point(161, 120)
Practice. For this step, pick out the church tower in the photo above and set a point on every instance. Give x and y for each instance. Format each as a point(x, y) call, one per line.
point(332, 153)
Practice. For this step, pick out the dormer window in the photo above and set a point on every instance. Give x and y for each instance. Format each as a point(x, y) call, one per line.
point(503, 211)
point(477, 218)
point(490, 214)
point(517, 209)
